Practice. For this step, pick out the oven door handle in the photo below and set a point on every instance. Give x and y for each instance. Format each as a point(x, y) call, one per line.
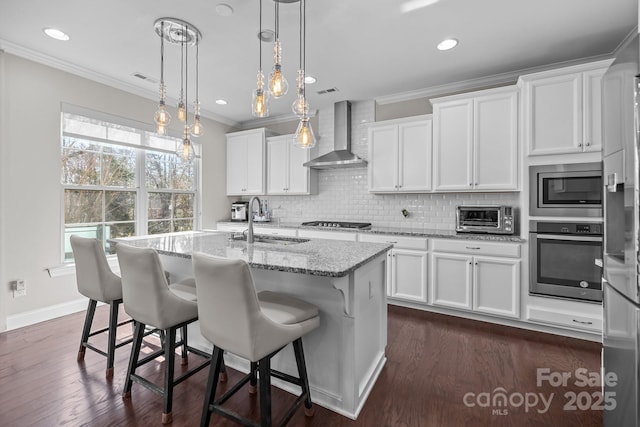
point(567, 237)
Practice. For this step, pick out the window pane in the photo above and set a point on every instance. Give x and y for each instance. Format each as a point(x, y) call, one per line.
point(80, 167)
point(92, 231)
point(113, 231)
point(158, 170)
point(79, 144)
point(183, 178)
point(119, 170)
point(183, 225)
point(156, 227)
point(82, 206)
point(183, 206)
point(120, 205)
point(159, 206)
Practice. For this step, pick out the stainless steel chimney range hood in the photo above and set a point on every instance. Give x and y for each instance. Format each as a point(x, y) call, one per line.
point(341, 156)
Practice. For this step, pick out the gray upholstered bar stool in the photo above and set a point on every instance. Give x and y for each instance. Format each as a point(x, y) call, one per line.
point(150, 300)
point(253, 326)
point(96, 281)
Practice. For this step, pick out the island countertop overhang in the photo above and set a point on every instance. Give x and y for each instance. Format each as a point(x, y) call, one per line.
point(317, 257)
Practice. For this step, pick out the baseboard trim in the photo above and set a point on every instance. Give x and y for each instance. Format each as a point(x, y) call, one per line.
point(47, 313)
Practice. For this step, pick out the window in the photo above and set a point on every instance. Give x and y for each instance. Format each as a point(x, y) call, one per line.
point(120, 179)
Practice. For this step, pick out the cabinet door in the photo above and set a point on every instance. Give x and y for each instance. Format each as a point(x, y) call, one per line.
point(277, 166)
point(255, 161)
point(383, 158)
point(299, 176)
point(592, 123)
point(555, 115)
point(451, 280)
point(414, 156)
point(452, 145)
point(408, 275)
point(495, 120)
point(496, 286)
point(236, 165)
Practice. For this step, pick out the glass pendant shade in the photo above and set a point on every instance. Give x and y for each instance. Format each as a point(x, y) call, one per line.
point(182, 112)
point(161, 130)
point(186, 149)
point(260, 103)
point(304, 137)
point(162, 116)
point(196, 128)
point(300, 106)
point(278, 85)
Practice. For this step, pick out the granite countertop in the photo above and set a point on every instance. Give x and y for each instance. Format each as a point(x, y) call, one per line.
point(399, 231)
point(318, 257)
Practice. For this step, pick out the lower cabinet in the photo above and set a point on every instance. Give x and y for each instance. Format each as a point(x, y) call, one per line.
point(471, 279)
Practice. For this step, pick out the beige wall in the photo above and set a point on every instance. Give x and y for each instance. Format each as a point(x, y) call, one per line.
point(30, 191)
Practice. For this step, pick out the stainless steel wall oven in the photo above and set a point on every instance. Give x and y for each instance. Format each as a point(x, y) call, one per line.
point(566, 260)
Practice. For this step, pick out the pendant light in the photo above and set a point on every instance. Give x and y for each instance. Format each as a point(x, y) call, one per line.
point(304, 137)
point(260, 101)
point(162, 116)
point(196, 128)
point(278, 85)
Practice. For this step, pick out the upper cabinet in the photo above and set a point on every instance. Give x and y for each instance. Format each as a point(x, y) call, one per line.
point(285, 171)
point(563, 109)
point(475, 141)
point(400, 155)
point(246, 162)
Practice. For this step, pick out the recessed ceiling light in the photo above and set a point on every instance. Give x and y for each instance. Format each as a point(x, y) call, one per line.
point(221, 102)
point(447, 44)
point(309, 80)
point(56, 34)
point(224, 9)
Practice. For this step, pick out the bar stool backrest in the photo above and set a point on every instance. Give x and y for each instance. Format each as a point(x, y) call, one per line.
point(94, 277)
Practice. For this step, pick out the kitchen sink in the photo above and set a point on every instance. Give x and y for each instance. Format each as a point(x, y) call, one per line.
point(274, 240)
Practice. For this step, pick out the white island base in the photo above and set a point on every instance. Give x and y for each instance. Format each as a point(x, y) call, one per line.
point(346, 353)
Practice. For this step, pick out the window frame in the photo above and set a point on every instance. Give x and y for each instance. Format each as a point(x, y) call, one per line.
point(139, 188)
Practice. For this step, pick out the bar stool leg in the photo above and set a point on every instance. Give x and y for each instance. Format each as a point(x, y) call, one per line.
point(111, 345)
point(133, 359)
point(185, 356)
point(253, 389)
point(169, 363)
point(264, 368)
point(217, 363)
point(86, 330)
point(309, 410)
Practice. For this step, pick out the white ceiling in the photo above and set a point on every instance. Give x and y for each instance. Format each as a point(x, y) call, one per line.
point(365, 48)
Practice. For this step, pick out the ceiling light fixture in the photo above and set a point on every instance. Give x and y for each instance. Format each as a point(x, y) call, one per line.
point(54, 33)
point(221, 102)
point(304, 137)
point(260, 98)
point(278, 85)
point(447, 44)
point(309, 80)
point(177, 31)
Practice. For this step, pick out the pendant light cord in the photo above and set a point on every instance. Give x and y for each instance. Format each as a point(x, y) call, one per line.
point(162, 90)
point(185, 37)
point(260, 38)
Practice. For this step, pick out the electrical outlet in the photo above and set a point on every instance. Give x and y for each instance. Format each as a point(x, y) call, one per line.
point(19, 288)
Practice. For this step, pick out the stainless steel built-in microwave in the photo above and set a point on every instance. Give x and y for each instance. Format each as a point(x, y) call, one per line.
point(567, 190)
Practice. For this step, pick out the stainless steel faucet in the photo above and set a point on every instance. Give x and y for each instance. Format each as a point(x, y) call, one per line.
point(250, 232)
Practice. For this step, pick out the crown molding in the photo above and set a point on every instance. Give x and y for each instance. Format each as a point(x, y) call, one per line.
point(41, 58)
point(262, 122)
point(482, 82)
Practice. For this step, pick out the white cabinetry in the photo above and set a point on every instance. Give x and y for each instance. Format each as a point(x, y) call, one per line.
point(246, 162)
point(406, 266)
point(563, 109)
point(285, 173)
point(400, 156)
point(476, 275)
point(331, 235)
point(475, 141)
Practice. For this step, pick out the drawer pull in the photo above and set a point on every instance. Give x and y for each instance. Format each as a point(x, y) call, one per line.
point(582, 322)
point(475, 248)
point(392, 241)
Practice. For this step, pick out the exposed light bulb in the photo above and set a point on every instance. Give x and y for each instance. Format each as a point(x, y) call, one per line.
point(304, 137)
point(187, 149)
point(278, 85)
point(162, 116)
point(260, 106)
point(161, 130)
point(196, 128)
point(182, 111)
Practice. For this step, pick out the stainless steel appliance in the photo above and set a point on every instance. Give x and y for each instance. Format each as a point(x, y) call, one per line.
point(621, 305)
point(563, 257)
point(486, 219)
point(567, 190)
point(338, 224)
point(240, 211)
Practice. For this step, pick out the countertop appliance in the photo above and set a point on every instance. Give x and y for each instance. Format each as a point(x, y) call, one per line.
point(486, 219)
point(567, 190)
point(563, 257)
point(621, 306)
point(240, 211)
point(338, 224)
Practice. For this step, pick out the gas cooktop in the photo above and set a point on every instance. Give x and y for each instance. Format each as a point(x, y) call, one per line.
point(338, 224)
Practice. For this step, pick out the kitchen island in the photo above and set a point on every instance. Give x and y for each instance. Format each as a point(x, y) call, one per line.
point(346, 280)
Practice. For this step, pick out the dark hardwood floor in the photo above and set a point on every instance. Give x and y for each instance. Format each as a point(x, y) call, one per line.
point(438, 366)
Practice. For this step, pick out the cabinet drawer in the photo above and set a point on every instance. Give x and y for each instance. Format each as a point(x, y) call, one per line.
point(565, 319)
point(397, 241)
point(287, 232)
point(477, 247)
point(233, 228)
point(332, 235)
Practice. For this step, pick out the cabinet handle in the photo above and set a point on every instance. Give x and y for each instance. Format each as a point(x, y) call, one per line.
point(476, 263)
point(471, 184)
point(588, 144)
point(475, 248)
point(582, 322)
point(391, 241)
point(579, 144)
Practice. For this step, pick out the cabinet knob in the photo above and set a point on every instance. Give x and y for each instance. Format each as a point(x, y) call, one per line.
point(471, 184)
point(588, 144)
point(579, 144)
point(476, 263)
